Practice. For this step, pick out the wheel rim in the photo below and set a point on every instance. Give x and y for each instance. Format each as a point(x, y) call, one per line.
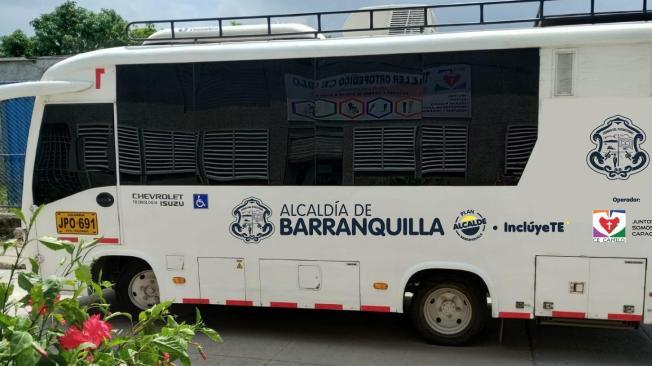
point(143, 290)
point(448, 311)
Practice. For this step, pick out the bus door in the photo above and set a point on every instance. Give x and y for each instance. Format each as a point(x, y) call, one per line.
point(74, 176)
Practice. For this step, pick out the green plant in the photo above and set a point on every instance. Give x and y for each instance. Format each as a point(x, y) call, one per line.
point(45, 328)
point(67, 30)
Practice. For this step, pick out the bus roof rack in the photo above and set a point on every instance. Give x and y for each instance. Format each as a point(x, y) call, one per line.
point(423, 23)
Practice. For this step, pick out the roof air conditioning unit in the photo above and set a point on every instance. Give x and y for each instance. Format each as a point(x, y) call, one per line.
point(408, 20)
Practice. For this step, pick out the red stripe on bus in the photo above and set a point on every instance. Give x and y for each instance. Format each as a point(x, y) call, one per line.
point(109, 241)
point(69, 238)
point(375, 308)
point(195, 301)
point(281, 304)
point(239, 303)
point(625, 317)
point(329, 306)
point(569, 314)
point(514, 315)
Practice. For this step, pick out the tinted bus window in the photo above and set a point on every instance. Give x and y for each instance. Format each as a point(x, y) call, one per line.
point(75, 151)
point(465, 118)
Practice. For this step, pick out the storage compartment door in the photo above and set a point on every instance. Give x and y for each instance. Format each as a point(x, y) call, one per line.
point(330, 285)
point(617, 288)
point(562, 287)
point(222, 280)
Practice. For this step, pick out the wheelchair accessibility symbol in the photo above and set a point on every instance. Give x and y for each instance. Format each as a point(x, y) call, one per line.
point(200, 200)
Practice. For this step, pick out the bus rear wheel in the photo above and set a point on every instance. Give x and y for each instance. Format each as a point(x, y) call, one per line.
point(137, 288)
point(449, 312)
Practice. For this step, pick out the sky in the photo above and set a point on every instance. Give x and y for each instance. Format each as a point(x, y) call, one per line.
point(16, 14)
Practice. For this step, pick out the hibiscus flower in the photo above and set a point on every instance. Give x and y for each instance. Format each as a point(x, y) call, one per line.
point(94, 330)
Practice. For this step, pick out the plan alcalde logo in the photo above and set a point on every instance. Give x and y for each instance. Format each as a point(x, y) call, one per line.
point(470, 225)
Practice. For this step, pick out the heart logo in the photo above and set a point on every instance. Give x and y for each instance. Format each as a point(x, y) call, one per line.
point(609, 224)
point(452, 79)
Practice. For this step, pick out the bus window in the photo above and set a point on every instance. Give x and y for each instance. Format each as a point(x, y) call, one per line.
point(75, 151)
point(157, 142)
point(461, 118)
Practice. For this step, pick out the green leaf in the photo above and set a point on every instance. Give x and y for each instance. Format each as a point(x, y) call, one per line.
point(34, 265)
point(26, 281)
point(8, 244)
point(7, 289)
point(118, 341)
point(19, 214)
point(210, 333)
point(160, 308)
point(35, 215)
point(172, 346)
point(36, 295)
point(52, 286)
point(97, 290)
point(186, 332)
point(117, 314)
point(90, 244)
point(72, 311)
point(6, 321)
point(149, 358)
point(53, 243)
point(28, 357)
point(53, 359)
point(23, 323)
point(19, 341)
point(83, 274)
point(128, 354)
point(86, 345)
point(171, 323)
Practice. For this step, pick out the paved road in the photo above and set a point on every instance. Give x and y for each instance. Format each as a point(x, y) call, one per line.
point(308, 337)
point(277, 337)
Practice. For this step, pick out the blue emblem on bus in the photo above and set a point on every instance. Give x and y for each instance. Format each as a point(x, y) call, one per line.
point(618, 153)
point(200, 200)
point(251, 223)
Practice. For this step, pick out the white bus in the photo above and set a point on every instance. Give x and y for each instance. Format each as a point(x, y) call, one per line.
point(452, 176)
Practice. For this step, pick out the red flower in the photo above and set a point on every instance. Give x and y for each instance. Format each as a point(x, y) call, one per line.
point(43, 310)
point(72, 338)
point(95, 331)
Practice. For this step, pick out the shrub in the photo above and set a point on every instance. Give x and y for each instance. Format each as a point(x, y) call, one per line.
point(45, 328)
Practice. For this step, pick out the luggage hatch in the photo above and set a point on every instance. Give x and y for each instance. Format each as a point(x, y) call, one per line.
point(590, 288)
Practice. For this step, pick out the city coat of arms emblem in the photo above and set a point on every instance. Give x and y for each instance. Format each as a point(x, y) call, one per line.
point(618, 153)
point(251, 223)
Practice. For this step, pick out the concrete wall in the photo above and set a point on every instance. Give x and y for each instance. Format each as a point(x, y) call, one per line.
point(21, 69)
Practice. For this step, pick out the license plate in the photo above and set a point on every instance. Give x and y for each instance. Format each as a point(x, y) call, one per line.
point(82, 223)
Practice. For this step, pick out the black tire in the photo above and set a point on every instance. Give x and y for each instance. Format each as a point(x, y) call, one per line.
point(128, 273)
point(478, 312)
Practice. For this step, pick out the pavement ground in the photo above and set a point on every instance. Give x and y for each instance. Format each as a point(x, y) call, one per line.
point(263, 336)
point(283, 337)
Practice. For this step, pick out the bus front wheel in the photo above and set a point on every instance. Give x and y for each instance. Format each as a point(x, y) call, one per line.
point(137, 288)
point(449, 312)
